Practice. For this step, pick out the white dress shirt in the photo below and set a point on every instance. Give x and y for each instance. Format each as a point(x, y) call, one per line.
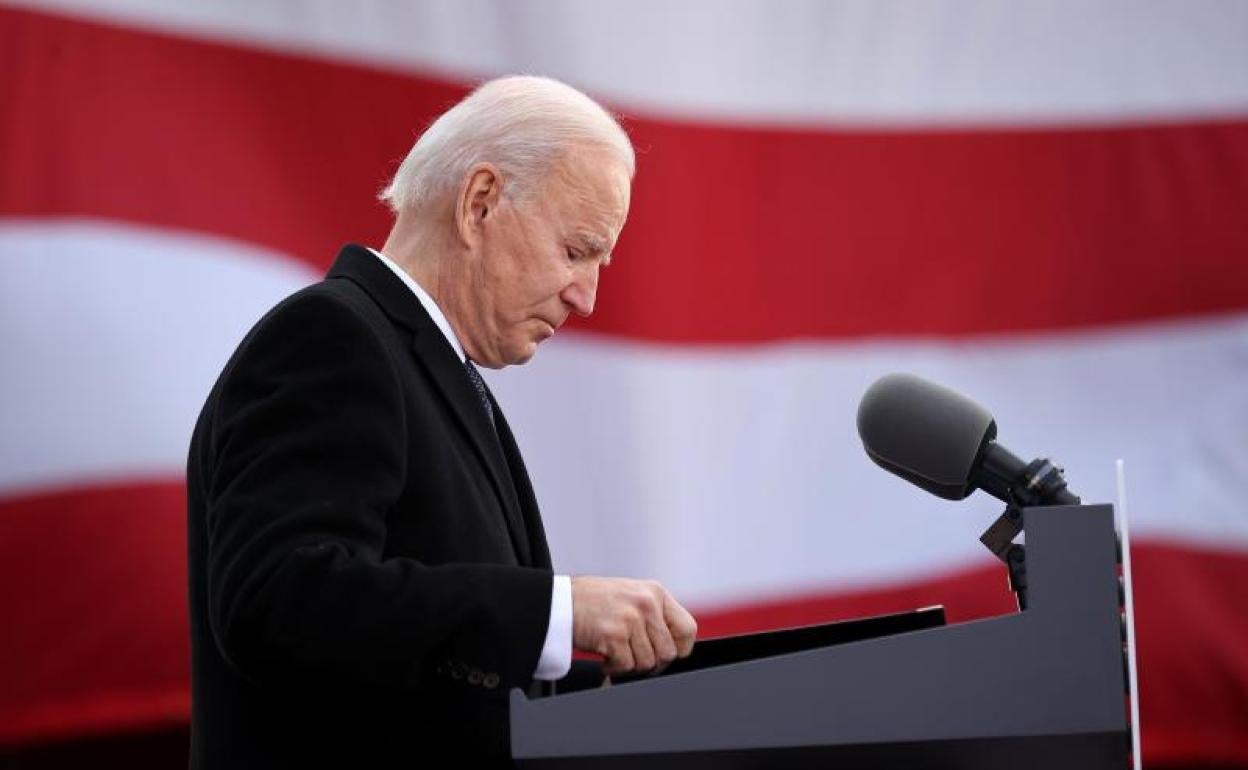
point(556, 659)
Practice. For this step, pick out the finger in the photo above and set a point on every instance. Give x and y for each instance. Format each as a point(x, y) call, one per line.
point(665, 648)
point(643, 650)
point(683, 627)
point(619, 659)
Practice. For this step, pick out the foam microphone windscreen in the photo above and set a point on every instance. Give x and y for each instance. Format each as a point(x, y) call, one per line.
point(923, 432)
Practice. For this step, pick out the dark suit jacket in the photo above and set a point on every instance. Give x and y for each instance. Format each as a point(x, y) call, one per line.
point(369, 576)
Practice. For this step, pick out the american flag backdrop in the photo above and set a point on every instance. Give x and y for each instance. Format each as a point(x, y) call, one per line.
point(1044, 205)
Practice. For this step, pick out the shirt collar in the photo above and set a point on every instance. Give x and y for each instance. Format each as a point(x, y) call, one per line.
point(426, 301)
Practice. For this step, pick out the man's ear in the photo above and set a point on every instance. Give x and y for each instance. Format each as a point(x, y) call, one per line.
point(478, 198)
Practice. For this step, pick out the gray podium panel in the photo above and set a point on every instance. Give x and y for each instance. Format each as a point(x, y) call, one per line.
point(1041, 688)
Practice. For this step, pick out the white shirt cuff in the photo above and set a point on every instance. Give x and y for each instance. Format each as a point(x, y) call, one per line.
point(556, 659)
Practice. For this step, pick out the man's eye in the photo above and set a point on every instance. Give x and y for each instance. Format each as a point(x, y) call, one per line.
point(572, 255)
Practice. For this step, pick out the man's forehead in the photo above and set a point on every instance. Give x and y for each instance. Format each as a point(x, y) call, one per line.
point(590, 195)
point(596, 219)
point(595, 173)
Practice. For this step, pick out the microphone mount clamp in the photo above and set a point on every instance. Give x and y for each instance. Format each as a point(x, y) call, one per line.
point(1040, 483)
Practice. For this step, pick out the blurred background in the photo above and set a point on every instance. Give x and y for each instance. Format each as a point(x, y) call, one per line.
point(1044, 205)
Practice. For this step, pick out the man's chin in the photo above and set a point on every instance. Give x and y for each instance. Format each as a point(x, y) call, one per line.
point(523, 355)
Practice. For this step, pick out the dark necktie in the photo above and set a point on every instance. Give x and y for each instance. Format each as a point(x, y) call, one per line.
point(478, 385)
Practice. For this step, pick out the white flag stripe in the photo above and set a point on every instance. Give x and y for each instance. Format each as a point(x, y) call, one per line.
point(111, 337)
point(730, 473)
point(738, 473)
point(802, 61)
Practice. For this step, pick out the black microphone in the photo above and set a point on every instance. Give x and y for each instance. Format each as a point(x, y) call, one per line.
point(945, 443)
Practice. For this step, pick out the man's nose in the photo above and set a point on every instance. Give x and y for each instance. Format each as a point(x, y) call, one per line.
point(580, 294)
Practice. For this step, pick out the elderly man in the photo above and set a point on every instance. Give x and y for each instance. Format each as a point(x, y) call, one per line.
point(369, 575)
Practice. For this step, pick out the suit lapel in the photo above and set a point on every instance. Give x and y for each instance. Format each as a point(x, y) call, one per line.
point(447, 373)
point(538, 548)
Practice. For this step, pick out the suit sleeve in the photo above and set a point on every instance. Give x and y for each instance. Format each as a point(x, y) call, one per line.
point(309, 452)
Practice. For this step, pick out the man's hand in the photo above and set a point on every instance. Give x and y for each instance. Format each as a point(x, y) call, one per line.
point(635, 625)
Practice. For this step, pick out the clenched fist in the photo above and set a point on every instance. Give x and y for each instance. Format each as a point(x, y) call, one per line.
point(635, 625)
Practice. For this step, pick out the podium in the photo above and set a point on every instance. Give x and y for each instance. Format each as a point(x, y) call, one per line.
point(1042, 688)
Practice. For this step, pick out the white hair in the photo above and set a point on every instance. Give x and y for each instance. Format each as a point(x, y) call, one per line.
point(522, 124)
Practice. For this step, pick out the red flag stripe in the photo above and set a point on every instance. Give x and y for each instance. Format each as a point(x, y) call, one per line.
point(95, 596)
point(879, 233)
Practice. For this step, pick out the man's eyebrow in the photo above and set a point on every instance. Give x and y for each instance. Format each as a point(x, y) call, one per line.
point(594, 244)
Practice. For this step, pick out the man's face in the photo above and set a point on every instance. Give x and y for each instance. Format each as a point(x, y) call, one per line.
point(537, 261)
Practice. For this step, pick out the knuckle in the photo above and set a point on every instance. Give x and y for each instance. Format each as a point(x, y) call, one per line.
point(616, 631)
point(648, 607)
point(658, 593)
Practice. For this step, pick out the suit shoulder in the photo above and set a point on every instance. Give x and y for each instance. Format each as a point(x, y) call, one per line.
point(325, 332)
point(330, 321)
point(331, 302)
